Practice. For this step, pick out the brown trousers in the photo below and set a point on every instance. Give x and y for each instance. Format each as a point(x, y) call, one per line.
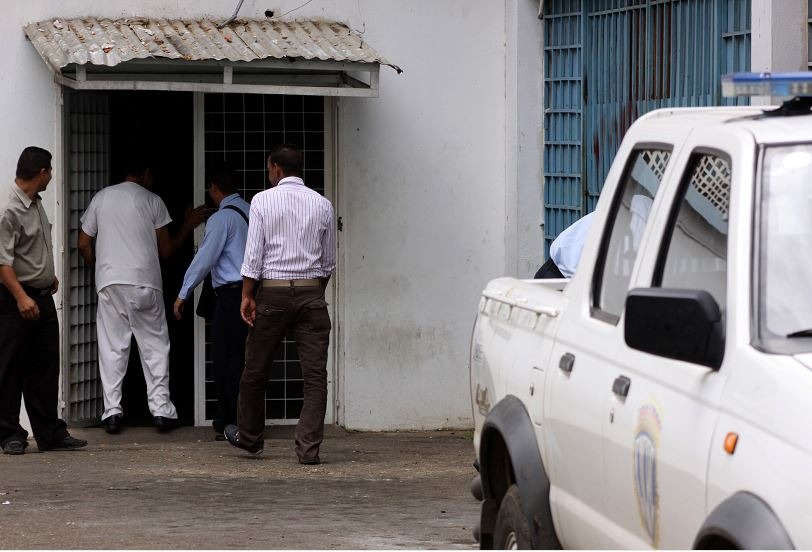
point(300, 312)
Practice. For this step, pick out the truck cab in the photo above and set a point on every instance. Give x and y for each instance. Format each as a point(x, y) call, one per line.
point(659, 397)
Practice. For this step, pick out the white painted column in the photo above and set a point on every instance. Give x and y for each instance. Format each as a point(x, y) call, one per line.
point(524, 77)
point(779, 39)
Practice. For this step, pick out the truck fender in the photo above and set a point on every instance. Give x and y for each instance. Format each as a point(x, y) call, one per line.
point(509, 454)
point(743, 521)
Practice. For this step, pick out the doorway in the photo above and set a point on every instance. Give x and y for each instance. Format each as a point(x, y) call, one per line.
point(159, 125)
point(183, 133)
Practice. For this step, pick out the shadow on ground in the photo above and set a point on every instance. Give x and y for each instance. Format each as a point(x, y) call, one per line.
point(142, 489)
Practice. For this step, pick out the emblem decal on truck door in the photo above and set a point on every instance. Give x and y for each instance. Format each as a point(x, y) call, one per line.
point(646, 443)
point(481, 399)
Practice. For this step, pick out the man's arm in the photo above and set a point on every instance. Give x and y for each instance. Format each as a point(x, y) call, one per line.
point(328, 247)
point(168, 245)
point(211, 248)
point(8, 277)
point(248, 305)
point(252, 263)
point(28, 307)
point(85, 245)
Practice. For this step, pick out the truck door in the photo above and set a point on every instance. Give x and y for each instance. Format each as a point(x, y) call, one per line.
point(657, 437)
point(585, 350)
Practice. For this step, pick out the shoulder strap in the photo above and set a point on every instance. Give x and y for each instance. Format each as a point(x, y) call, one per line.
point(238, 210)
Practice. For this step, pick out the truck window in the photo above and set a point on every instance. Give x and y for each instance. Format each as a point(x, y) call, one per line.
point(694, 248)
point(624, 230)
point(784, 226)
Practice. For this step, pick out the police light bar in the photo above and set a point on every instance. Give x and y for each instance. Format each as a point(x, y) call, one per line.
point(767, 84)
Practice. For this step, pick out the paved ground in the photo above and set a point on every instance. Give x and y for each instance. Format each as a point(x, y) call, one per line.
point(142, 489)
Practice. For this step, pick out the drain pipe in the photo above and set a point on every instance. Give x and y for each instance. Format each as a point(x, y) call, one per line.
point(233, 17)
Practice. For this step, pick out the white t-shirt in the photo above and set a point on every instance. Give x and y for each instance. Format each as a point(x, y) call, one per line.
point(123, 219)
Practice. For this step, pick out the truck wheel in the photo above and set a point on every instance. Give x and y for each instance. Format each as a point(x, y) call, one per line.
point(512, 532)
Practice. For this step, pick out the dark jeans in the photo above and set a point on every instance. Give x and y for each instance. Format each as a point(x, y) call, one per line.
point(228, 352)
point(29, 368)
point(302, 313)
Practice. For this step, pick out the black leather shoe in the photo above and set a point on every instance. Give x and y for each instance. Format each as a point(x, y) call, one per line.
point(166, 424)
point(311, 462)
point(112, 424)
point(232, 434)
point(68, 443)
point(14, 447)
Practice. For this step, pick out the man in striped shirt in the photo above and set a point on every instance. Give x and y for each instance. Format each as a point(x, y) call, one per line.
point(289, 258)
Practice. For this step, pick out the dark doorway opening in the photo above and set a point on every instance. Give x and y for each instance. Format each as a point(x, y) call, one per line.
point(160, 126)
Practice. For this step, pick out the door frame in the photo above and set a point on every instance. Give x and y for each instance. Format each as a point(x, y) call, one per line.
point(62, 263)
point(332, 292)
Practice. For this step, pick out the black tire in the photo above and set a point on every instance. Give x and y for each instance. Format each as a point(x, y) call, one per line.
point(512, 532)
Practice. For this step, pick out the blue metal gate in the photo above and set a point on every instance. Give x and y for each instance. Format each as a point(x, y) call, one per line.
point(607, 62)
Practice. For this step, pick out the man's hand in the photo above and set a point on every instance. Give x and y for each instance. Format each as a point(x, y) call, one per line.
point(55, 286)
point(28, 308)
point(194, 217)
point(168, 245)
point(248, 310)
point(179, 308)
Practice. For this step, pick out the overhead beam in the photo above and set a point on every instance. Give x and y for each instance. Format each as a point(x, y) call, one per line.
point(353, 88)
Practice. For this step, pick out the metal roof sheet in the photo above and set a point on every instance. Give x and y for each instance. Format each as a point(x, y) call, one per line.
point(110, 42)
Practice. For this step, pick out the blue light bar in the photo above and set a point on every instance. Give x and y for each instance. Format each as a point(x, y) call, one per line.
point(767, 84)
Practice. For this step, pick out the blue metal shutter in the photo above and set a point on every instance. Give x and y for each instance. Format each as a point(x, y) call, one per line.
point(638, 55)
point(562, 117)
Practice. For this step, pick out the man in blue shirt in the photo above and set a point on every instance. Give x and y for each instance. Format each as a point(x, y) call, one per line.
point(221, 254)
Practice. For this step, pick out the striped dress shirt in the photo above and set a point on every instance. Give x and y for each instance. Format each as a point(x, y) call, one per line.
point(291, 234)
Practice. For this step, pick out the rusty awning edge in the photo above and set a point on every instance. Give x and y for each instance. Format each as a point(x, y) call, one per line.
point(110, 42)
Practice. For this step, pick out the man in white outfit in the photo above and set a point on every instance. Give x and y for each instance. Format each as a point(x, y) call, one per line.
point(129, 224)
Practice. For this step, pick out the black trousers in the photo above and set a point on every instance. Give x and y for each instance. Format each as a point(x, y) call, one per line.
point(29, 368)
point(228, 353)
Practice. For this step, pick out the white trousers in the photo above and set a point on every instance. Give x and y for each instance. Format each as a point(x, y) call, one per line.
point(124, 311)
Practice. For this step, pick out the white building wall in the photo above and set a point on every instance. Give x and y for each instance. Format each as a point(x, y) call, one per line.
point(525, 135)
point(779, 38)
point(421, 191)
point(422, 195)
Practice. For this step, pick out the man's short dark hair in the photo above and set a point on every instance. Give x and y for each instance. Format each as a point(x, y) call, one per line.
point(225, 178)
point(32, 161)
point(137, 164)
point(289, 157)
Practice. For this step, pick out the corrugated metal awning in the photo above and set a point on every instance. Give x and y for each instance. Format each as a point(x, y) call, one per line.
point(313, 56)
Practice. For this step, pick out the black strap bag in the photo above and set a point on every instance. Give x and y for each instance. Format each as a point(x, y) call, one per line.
point(208, 299)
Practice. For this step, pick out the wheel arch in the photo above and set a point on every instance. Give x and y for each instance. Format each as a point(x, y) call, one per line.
point(743, 521)
point(509, 454)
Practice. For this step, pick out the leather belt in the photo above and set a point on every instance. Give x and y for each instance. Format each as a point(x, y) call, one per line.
point(310, 282)
point(229, 285)
point(35, 292)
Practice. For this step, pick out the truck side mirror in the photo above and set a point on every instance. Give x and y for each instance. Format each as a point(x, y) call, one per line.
point(683, 324)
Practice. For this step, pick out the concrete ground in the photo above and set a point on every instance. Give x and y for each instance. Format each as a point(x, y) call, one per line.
point(142, 489)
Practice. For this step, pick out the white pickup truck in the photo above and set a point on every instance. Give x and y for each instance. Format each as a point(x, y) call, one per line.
point(662, 396)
